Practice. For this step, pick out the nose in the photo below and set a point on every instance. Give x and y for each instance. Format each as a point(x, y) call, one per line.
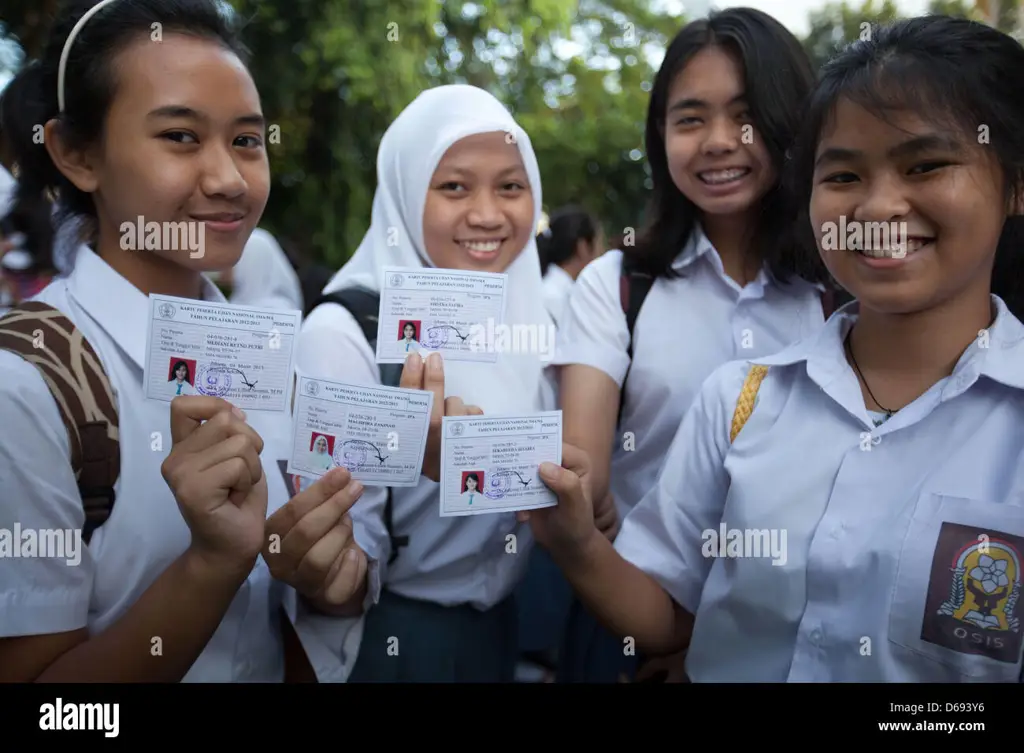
point(221, 176)
point(485, 211)
point(882, 200)
point(722, 136)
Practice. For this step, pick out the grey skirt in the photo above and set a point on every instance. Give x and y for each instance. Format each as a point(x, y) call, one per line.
point(406, 640)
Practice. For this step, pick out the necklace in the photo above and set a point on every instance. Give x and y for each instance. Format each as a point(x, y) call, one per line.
point(849, 350)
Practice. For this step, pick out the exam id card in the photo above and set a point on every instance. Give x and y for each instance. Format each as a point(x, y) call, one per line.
point(378, 433)
point(447, 311)
point(243, 354)
point(490, 464)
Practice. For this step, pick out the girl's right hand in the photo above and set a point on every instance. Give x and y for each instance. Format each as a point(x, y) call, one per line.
point(215, 473)
point(567, 528)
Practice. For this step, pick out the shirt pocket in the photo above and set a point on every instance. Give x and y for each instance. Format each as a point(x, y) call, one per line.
point(956, 598)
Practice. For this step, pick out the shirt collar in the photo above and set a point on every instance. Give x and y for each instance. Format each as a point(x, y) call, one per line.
point(696, 247)
point(117, 306)
point(997, 354)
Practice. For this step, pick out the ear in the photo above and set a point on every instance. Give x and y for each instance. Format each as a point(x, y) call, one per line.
point(77, 165)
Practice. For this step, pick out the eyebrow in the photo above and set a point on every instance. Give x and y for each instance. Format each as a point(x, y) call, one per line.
point(932, 142)
point(507, 171)
point(693, 103)
point(180, 112)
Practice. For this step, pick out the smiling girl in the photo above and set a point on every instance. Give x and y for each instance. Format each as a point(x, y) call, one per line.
point(169, 131)
point(459, 186)
point(719, 259)
point(889, 448)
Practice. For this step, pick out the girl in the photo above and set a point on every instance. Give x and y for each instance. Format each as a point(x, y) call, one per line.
point(458, 181)
point(409, 337)
point(472, 490)
point(173, 132)
point(719, 260)
point(881, 471)
point(320, 458)
point(570, 242)
point(180, 382)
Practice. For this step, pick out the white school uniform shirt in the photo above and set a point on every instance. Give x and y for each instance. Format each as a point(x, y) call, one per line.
point(687, 327)
point(903, 542)
point(145, 532)
point(174, 389)
point(557, 286)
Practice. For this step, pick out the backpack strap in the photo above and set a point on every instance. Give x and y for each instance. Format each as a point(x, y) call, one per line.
point(634, 285)
point(47, 339)
point(745, 402)
point(364, 305)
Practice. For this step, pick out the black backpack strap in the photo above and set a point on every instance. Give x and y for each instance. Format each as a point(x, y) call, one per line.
point(634, 285)
point(364, 305)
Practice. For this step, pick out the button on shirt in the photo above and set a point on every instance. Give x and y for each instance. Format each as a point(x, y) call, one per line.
point(821, 548)
point(687, 327)
point(146, 531)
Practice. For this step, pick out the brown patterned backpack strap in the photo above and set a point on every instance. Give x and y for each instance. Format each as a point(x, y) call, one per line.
point(48, 340)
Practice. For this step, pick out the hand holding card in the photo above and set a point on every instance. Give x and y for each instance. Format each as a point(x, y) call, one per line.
point(309, 545)
point(566, 528)
point(429, 376)
point(214, 471)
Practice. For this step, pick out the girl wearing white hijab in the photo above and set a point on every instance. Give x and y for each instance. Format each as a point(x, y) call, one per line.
point(458, 188)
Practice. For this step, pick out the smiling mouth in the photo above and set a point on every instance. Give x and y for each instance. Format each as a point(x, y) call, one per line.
point(482, 247)
point(721, 177)
point(894, 251)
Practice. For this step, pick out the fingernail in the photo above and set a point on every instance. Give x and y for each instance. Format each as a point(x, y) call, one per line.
point(351, 555)
point(238, 412)
point(434, 361)
point(549, 470)
point(413, 359)
point(357, 488)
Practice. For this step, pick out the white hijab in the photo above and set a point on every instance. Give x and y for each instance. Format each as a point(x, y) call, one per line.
point(264, 276)
point(409, 153)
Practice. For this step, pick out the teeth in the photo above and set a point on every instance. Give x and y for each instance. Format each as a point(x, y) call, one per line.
point(723, 176)
point(482, 247)
point(892, 252)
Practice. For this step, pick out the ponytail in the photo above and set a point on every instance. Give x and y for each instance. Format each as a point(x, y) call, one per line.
point(557, 244)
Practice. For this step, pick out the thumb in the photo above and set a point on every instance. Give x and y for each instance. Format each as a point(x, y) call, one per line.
point(561, 481)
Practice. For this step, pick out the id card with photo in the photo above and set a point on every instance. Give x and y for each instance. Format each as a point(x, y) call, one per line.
point(243, 354)
point(378, 433)
point(490, 464)
point(447, 311)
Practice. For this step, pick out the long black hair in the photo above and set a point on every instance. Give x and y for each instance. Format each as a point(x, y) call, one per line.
point(90, 83)
point(778, 77)
point(566, 227)
point(947, 70)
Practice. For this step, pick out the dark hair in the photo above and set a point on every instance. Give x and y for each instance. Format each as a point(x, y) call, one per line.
point(947, 70)
point(174, 371)
point(30, 99)
point(566, 227)
point(778, 78)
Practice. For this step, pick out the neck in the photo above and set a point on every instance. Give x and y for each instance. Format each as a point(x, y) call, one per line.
point(901, 356)
point(573, 266)
point(147, 271)
point(730, 235)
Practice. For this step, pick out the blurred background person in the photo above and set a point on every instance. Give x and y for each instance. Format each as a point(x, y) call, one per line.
point(570, 241)
point(264, 276)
